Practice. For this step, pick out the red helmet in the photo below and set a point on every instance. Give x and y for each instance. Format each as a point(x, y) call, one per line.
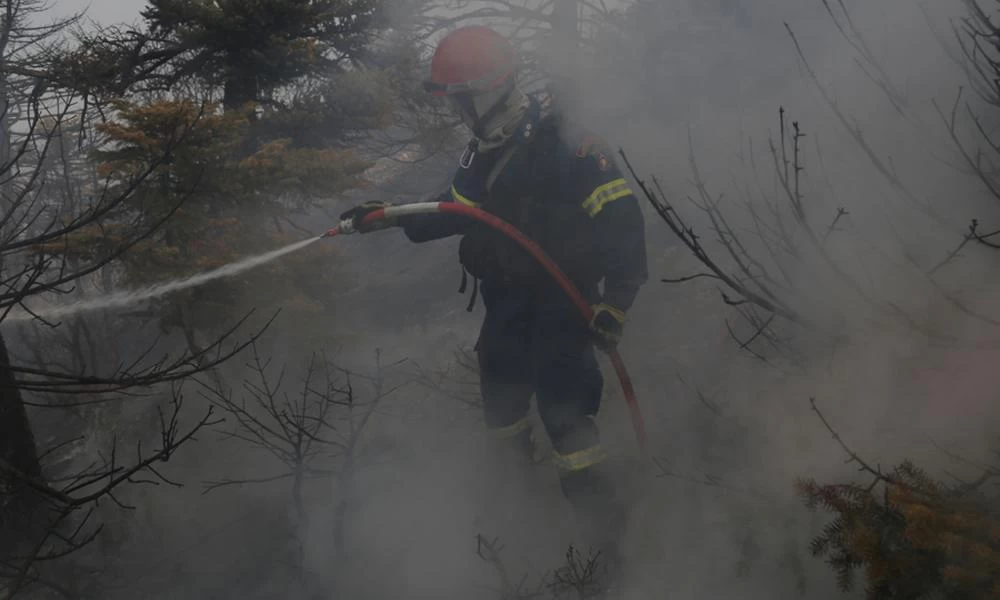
point(471, 59)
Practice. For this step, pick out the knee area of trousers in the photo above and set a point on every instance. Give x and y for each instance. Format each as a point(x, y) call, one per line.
point(569, 394)
point(503, 365)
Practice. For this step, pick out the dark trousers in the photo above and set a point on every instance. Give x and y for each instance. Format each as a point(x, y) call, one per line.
point(533, 342)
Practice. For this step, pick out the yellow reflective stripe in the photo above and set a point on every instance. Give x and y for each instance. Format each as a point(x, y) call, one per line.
point(580, 460)
point(609, 192)
point(616, 312)
point(512, 430)
point(462, 199)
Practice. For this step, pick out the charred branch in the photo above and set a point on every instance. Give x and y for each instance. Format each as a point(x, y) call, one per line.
point(866, 59)
point(687, 235)
point(138, 374)
point(101, 481)
point(490, 551)
point(581, 576)
point(314, 434)
point(70, 502)
point(854, 130)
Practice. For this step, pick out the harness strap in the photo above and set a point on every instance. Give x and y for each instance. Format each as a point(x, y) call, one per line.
point(475, 289)
point(475, 294)
point(499, 166)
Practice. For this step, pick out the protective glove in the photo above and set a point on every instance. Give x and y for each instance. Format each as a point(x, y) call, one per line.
point(357, 215)
point(607, 326)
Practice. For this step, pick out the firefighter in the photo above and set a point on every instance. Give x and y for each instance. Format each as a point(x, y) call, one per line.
point(561, 186)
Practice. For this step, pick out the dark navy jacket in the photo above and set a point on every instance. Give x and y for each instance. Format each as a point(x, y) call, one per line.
point(561, 187)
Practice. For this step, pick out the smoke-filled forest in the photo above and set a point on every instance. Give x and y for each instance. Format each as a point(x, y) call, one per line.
point(202, 397)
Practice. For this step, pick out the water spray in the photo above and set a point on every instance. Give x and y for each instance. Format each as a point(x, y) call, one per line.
point(122, 299)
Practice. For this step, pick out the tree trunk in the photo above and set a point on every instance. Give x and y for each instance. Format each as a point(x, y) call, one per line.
point(238, 92)
point(17, 442)
point(17, 450)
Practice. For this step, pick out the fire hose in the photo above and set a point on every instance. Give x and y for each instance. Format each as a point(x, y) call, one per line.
point(583, 307)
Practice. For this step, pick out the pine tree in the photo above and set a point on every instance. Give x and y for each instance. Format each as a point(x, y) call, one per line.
point(287, 97)
point(912, 537)
point(216, 206)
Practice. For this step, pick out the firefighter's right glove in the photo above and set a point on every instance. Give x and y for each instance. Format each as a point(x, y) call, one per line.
point(357, 216)
point(607, 326)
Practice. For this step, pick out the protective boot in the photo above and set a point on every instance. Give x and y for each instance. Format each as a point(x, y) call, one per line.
point(601, 518)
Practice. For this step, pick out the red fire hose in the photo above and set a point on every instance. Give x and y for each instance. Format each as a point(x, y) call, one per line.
point(582, 306)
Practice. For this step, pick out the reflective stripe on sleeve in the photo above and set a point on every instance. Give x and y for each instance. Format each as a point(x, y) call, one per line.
point(462, 199)
point(609, 192)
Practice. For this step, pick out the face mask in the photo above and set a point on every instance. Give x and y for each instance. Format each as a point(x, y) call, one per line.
point(491, 115)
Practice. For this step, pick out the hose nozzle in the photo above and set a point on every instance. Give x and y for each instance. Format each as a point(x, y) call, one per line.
point(346, 227)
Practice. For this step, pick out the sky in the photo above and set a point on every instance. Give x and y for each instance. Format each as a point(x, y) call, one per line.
point(102, 11)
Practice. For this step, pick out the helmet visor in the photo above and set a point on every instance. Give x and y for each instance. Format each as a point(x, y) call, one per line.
point(477, 109)
point(498, 78)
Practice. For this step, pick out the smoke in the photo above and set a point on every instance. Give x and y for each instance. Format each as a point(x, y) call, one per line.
point(678, 78)
point(715, 514)
point(890, 391)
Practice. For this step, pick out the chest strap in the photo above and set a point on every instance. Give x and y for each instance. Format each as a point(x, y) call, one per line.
point(499, 166)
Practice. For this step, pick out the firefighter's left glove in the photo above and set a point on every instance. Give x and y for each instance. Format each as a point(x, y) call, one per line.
point(607, 326)
point(357, 216)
